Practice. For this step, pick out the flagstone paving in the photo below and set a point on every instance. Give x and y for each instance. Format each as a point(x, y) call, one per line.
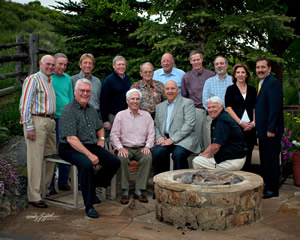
point(281, 221)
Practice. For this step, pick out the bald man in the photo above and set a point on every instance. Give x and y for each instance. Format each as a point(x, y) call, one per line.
point(168, 71)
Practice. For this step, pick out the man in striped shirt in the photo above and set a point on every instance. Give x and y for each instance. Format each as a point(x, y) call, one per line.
point(37, 109)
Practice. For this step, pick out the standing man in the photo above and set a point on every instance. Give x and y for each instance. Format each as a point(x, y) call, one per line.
point(192, 87)
point(217, 85)
point(174, 131)
point(81, 142)
point(64, 94)
point(113, 92)
point(37, 108)
point(132, 135)
point(87, 64)
point(153, 92)
point(168, 71)
point(269, 126)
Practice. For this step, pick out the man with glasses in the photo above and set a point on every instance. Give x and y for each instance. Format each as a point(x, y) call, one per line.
point(153, 91)
point(81, 142)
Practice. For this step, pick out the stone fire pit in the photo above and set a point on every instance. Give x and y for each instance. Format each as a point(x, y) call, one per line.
point(208, 207)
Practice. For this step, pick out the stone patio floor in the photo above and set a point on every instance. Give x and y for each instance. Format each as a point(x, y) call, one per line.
point(281, 220)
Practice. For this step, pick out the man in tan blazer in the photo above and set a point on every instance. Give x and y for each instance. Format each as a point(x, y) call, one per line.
point(174, 131)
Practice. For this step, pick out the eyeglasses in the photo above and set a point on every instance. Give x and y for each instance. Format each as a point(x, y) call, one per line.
point(83, 91)
point(148, 72)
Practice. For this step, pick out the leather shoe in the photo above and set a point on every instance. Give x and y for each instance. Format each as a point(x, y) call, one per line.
point(51, 192)
point(39, 204)
point(142, 198)
point(97, 200)
point(270, 194)
point(124, 199)
point(64, 188)
point(91, 212)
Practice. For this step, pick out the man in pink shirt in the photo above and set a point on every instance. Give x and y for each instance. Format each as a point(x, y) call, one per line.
point(132, 135)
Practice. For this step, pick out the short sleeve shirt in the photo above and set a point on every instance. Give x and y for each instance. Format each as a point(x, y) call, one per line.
point(81, 122)
point(226, 132)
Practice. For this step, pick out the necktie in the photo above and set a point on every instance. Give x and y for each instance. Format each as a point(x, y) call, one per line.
point(259, 87)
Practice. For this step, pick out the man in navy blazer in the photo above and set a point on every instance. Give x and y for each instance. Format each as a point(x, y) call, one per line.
point(174, 131)
point(269, 126)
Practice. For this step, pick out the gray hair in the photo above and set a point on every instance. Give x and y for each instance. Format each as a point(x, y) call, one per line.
point(215, 99)
point(82, 80)
point(194, 52)
point(87, 55)
point(226, 61)
point(60, 55)
point(146, 63)
point(118, 58)
point(128, 94)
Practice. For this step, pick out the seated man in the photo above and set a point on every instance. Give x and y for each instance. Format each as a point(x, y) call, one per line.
point(227, 150)
point(81, 142)
point(132, 135)
point(174, 129)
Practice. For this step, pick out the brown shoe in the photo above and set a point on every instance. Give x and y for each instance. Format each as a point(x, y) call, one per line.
point(142, 198)
point(39, 204)
point(124, 199)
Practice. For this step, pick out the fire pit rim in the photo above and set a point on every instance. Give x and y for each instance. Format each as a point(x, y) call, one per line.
point(165, 180)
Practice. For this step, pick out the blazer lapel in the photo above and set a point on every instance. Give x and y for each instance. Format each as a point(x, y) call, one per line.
point(177, 104)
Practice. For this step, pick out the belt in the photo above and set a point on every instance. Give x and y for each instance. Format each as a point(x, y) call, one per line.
point(44, 115)
point(199, 106)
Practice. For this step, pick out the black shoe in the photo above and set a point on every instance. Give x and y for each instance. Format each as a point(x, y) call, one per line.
point(97, 200)
point(64, 188)
point(270, 194)
point(39, 204)
point(51, 192)
point(91, 212)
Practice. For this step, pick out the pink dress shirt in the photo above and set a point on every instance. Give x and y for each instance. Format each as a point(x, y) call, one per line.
point(132, 131)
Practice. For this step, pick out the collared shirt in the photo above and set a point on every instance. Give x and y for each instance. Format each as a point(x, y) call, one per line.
point(175, 75)
point(151, 96)
point(96, 88)
point(192, 84)
point(63, 91)
point(132, 131)
point(83, 123)
point(215, 86)
point(226, 132)
point(170, 108)
point(38, 97)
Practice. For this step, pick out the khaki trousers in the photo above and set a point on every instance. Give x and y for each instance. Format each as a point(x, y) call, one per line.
point(210, 163)
point(44, 145)
point(144, 161)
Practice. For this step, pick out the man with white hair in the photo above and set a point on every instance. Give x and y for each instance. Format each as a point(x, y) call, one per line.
point(227, 150)
point(37, 109)
point(81, 143)
point(132, 135)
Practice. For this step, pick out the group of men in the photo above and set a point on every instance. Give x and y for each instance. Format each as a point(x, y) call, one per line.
point(146, 121)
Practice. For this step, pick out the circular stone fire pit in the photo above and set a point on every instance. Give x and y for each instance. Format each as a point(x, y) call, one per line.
point(206, 207)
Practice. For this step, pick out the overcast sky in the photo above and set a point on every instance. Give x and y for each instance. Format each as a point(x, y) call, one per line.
point(45, 3)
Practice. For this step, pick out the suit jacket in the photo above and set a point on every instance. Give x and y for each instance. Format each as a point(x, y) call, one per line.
point(269, 108)
point(182, 123)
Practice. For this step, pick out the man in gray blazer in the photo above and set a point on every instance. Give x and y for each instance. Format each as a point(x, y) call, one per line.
point(174, 131)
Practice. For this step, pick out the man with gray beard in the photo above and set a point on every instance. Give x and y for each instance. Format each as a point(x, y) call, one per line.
point(217, 85)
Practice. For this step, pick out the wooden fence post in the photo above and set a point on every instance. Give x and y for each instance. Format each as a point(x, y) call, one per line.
point(33, 52)
point(19, 64)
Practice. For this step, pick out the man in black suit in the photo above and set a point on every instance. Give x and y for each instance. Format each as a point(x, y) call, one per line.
point(269, 125)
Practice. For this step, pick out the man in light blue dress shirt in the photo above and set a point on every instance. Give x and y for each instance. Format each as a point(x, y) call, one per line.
point(168, 71)
point(217, 85)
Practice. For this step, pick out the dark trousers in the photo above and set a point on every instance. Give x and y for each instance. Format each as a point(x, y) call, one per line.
point(269, 150)
point(161, 158)
point(63, 169)
point(88, 179)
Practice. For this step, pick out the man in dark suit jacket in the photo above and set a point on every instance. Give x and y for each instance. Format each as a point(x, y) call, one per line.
point(269, 125)
point(174, 131)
